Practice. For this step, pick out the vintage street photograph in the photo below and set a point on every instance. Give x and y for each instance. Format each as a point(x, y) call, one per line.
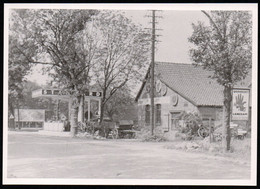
point(124, 94)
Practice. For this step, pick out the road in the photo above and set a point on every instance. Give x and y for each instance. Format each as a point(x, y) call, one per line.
point(31, 155)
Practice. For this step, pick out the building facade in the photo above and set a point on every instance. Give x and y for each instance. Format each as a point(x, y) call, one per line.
point(181, 88)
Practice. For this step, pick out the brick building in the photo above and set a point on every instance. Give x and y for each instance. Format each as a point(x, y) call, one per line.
point(182, 88)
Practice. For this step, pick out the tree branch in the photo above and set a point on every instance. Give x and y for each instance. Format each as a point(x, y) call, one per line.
point(214, 24)
point(46, 63)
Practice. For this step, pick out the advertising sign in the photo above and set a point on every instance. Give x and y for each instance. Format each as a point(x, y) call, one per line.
point(240, 104)
point(59, 93)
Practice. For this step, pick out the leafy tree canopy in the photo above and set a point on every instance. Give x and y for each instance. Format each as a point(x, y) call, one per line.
point(121, 51)
point(225, 46)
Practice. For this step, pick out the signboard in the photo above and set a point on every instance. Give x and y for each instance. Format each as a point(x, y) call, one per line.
point(49, 92)
point(60, 93)
point(30, 115)
point(240, 104)
point(93, 93)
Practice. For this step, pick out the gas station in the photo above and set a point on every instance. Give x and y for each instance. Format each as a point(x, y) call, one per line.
point(62, 95)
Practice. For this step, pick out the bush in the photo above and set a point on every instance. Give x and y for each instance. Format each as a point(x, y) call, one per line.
point(239, 148)
point(205, 145)
point(154, 138)
point(145, 135)
point(172, 136)
point(189, 130)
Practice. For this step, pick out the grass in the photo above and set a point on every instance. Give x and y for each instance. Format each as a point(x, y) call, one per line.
point(240, 149)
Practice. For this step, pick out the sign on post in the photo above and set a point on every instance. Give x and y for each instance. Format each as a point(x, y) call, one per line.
point(59, 93)
point(240, 104)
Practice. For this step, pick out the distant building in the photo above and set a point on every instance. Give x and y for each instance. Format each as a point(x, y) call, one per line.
point(29, 118)
point(179, 88)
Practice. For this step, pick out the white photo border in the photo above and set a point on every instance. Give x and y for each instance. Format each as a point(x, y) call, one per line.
point(166, 6)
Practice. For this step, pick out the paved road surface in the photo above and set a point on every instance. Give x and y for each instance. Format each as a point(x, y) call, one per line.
point(35, 156)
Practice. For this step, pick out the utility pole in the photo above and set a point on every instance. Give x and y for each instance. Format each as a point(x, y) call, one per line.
point(152, 71)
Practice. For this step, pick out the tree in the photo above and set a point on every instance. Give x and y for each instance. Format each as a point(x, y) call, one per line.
point(28, 101)
point(224, 46)
point(18, 63)
point(55, 33)
point(117, 105)
point(110, 49)
point(121, 51)
point(39, 103)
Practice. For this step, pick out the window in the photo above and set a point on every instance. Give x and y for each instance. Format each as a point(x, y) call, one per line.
point(175, 117)
point(147, 114)
point(158, 114)
point(208, 121)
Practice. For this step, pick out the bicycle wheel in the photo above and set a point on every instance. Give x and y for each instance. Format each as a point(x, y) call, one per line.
point(203, 132)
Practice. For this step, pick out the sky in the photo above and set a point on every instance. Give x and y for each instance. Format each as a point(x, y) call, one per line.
point(175, 28)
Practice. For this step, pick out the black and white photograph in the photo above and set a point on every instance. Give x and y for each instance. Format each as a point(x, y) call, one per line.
point(143, 94)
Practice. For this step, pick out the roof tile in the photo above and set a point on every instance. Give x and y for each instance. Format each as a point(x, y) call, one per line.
point(193, 82)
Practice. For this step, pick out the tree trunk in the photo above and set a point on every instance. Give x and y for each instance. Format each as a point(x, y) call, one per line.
point(102, 131)
point(11, 111)
point(11, 107)
point(102, 106)
point(101, 112)
point(226, 117)
point(73, 116)
point(18, 116)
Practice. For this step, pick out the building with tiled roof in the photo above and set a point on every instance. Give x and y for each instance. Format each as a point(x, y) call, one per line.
point(182, 87)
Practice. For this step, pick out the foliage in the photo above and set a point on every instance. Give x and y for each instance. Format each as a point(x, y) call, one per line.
point(55, 33)
point(189, 130)
point(145, 135)
point(110, 49)
point(240, 150)
point(192, 121)
point(18, 60)
point(121, 50)
point(118, 105)
point(28, 101)
point(48, 104)
point(224, 47)
point(154, 138)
